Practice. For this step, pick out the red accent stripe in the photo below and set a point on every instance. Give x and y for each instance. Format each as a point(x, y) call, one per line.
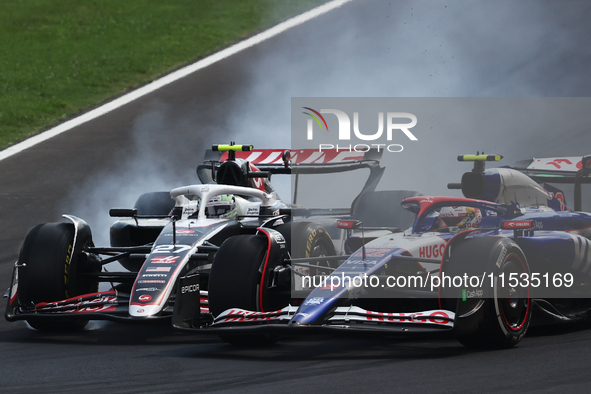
point(75, 299)
point(442, 260)
point(264, 268)
point(578, 229)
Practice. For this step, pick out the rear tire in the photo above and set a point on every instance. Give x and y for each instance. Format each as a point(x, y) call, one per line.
point(234, 282)
point(312, 240)
point(506, 312)
point(50, 273)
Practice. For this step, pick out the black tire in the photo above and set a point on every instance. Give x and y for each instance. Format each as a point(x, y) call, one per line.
point(50, 273)
point(312, 240)
point(506, 313)
point(154, 203)
point(235, 282)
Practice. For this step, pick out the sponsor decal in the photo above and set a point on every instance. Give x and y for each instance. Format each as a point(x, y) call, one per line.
point(501, 257)
point(171, 248)
point(145, 297)
point(281, 314)
point(91, 309)
point(105, 303)
point(188, 211)
point(347, 224)
point(252, 211)
point(559, 163)
point(418, 317)
point(314, 301)
point(185, 231)
point(154, 275)
point(432, 251)
point(164, 259)
point(560, 197)
point(243, 315)
point(151, 281)
point(147, 289)
point(158, 269)
point(369, 252)
point(517, 224)
point(190, 288)
point(478, 293)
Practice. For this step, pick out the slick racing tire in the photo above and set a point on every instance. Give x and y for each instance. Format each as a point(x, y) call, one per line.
point(312, 240)
point(154, 203)
point(505, 314)
point(50, 273)
point(235, 282)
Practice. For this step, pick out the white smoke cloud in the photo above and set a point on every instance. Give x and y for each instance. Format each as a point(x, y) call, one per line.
point(370, 49)
point(439, 49)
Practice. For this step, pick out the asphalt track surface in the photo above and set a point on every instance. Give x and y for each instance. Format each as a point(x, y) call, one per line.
point(38, 183)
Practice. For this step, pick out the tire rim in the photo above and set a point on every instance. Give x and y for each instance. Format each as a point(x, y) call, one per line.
point(514, 304)
point(320, 251)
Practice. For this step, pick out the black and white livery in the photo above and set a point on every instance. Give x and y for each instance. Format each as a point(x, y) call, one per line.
point(168, 244)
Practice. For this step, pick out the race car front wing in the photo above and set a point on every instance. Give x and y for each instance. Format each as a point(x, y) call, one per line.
point(349, 318)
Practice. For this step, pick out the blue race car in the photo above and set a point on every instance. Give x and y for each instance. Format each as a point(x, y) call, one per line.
point(480, 268)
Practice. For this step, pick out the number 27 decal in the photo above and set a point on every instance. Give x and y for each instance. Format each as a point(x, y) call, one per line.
point(171, 248)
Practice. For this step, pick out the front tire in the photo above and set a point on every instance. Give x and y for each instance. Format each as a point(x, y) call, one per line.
point(50, 272)
point(235, 282)
point(506, 312)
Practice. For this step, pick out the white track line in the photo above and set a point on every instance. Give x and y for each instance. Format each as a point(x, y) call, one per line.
point(174, 76)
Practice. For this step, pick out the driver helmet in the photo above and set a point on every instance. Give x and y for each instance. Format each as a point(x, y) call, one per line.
point(236, 172)
point(459, 217)
point(221, 207)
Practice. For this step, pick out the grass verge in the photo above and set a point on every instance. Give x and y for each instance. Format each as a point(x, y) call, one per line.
point(60, 57)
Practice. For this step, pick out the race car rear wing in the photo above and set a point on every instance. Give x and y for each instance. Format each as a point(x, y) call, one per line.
point(556, 169)
point(285, 161)
point(296, 162)
point(568, 170)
